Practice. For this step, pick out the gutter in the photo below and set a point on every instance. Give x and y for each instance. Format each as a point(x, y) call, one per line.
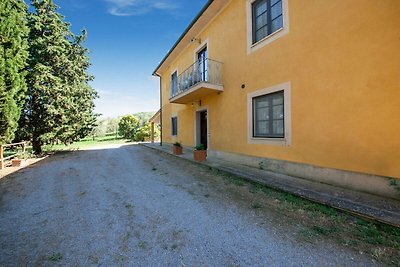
point(209, 2)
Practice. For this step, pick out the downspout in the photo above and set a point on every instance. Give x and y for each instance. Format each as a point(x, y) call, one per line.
point(161, 128)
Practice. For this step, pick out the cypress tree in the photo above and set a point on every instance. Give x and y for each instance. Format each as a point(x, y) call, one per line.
point(13, 55)
point(80, 117)
point(59, 106)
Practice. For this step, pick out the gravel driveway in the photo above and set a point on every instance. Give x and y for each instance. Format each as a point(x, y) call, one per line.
point(132, 206)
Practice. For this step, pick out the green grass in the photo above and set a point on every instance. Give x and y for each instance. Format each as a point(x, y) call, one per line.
point(314, 221)
point(56, 257)
point(84, 143)
point(143, 245)
point(256, 206)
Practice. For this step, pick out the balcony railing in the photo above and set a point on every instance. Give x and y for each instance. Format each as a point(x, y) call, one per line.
point(202, 71)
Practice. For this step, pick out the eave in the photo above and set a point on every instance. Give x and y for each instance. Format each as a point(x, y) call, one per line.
point(206, 14)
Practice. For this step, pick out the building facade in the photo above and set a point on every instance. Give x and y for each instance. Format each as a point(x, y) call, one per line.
point(306, 88)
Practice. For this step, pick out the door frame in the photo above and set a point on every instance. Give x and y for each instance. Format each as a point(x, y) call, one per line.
point(197, 131)
point(203, 45)
point(198, 49)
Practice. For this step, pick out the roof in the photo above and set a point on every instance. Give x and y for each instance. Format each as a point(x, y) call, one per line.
point(210, 9)
point(156, 117)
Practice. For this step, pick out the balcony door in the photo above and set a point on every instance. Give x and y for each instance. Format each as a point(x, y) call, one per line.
point(202, 57)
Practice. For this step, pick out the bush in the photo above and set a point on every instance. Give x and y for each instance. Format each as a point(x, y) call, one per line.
point(128, 126)
point(143, 133)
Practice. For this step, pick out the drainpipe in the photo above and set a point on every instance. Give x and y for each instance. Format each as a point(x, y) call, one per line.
point(161, 128)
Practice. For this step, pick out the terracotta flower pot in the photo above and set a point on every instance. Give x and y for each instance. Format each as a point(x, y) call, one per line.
point(200, 155)
point(17, 162)
point(177, 150)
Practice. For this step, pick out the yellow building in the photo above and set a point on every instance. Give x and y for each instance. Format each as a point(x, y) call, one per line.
point(307, 88)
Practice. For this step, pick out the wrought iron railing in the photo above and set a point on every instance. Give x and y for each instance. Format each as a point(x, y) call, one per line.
point(207, 70)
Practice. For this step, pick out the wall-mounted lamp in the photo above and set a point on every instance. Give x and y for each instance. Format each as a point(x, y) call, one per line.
point(194, 39)
point(196, 102)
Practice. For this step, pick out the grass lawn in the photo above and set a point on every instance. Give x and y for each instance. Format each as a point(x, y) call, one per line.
point(84, 143)
point(313, 221)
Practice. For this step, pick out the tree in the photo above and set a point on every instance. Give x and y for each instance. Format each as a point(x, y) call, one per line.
point(59, 105)
point(112, 124)
point(128, 126)
point(81, 120)
point(13, 56)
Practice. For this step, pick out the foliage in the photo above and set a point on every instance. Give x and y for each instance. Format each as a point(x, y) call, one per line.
point(106, 126)
point(395, 184)
point(143, 133)
point(128, 126)
point(13, 56)
point(200, 147)
point(56, 257)
point(84, 143)
point(59, 104)
point(138, 129)
point(178, 144)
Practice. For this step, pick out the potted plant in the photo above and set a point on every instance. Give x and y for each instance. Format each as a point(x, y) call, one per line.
point(177, 148)
point(200, 153)
point(19, 160)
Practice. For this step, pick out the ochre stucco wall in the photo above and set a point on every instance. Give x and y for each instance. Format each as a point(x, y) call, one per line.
point(343, 62)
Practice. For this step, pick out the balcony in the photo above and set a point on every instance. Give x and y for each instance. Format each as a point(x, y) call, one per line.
point(202, 78)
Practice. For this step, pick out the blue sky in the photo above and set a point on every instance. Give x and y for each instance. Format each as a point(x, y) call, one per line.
point(127, 39)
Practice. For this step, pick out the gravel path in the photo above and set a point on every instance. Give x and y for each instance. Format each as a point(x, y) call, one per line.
point(131, 206)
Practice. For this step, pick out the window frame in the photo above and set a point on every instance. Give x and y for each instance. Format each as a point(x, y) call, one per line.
point(271, 120)
point(269, 19)
point(174, 126)
point(171, 84)
point(281, 141)
point(253, 46)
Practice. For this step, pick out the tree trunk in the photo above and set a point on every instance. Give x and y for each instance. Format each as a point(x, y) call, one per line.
point(37, 147)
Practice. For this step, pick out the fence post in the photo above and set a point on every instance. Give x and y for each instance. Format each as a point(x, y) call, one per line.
point(1, 157)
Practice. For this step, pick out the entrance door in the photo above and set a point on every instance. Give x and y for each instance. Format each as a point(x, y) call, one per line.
point(203, 65)
point(203, 128)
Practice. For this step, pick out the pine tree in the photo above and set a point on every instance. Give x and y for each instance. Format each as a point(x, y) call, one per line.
point(13, 55)
point(59, 107)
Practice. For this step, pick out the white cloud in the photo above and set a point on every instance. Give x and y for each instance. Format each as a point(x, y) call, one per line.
point(138, 7)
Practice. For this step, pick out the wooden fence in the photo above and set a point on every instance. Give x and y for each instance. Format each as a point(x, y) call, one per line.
point(3, 159)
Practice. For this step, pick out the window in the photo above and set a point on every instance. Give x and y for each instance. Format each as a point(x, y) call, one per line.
point(174, 123)
point(267, 18)
point(174, 84)
point(269, 116)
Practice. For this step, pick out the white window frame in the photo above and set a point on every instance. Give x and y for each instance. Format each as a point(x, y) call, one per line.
point(287, 140)
point(270, 38)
